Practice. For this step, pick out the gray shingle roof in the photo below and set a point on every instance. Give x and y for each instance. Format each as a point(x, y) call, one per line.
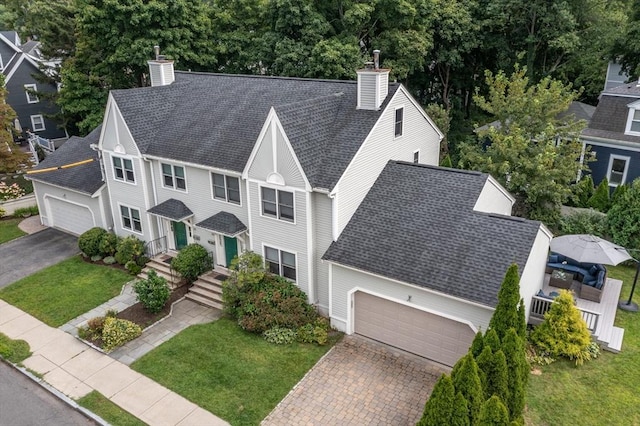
point(215, 119)
point(580, 111)
point(610, 117)
point(417, 225)
point(224, 223)
point(86, 178)
point(626, 89)
point(171, 209)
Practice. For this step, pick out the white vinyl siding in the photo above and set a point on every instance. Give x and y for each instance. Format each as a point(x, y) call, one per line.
point(123, 169)
point(287, 166)
point(37, 123)
point(173, 177)
point(225, 188)
point(32, 97)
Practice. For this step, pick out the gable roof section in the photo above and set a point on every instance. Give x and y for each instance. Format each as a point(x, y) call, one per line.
point(171, 209)
point(225, 223)
point(215, 119)
point(417, 225)
point(86, 178)
point(610, 117)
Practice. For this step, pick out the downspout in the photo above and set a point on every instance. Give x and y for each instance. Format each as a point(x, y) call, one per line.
point(155, 196)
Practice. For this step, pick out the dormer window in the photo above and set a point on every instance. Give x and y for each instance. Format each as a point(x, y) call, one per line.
point(633, 119)
point(30, 90)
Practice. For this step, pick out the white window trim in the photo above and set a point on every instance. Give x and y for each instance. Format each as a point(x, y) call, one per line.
point(295, 216)
point(280, 250)
point(124, 179)
point(173, 177)
point(417, 151)
point(395, 136)
point(226, 189)
point(33, 123)
point(632, 110)
point(613, 157)
point(31, 87)
point(132, 229)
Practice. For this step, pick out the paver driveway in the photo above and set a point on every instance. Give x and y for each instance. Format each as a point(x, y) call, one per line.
point(24, 256)
point(360, 382)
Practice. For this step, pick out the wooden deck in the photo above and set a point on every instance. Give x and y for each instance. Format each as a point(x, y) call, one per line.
point(609, 336)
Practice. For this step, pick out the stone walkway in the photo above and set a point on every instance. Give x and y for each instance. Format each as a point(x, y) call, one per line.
point(31, 225)
point(75, 369)
point(360, 382)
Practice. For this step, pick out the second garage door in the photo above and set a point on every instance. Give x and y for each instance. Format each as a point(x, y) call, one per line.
point(422, 333)
point(69, 217)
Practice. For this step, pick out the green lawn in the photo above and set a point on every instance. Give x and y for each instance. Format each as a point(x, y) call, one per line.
point(63, 291)
point(14, 350)
point(9, 230)
point(109, 411)
point(236, 375)
point(602, 391)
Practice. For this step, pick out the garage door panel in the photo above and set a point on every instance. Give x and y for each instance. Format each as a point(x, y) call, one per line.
point(423, 333)
point(68, 216)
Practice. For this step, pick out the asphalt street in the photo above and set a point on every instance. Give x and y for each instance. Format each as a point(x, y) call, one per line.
point(25, 403)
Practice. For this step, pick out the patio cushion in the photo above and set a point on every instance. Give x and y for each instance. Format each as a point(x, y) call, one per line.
point(554, 258)
point(600, 281)
point(593, 270)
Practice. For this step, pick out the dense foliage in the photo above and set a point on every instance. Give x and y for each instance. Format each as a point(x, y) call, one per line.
point(89, 241)
point(153, 292)
point(192, 261)
point(623, 218)
point(10, 155)
point(130, 249)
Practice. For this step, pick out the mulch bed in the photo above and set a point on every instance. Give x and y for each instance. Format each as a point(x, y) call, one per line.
point(136, 313)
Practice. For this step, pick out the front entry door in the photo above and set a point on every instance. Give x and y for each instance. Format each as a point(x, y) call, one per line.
point(180, 234)
point(230, 249)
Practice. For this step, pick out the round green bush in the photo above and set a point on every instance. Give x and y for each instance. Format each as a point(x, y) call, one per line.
point(280, 336)
point(132, 267)
point(108, 244)
point(89, 241)
point(129, 249)
point(116, 332)
point(109, 260)
point(153, 292)
point(96, 258)
point(191, 262)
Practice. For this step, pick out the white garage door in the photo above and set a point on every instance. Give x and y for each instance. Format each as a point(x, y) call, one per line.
point(69, 217)
point(422, 333)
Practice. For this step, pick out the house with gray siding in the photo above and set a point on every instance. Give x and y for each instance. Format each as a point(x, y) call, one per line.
point(288, 168)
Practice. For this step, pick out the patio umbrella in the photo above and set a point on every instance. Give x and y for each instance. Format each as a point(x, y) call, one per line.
point(587, 248)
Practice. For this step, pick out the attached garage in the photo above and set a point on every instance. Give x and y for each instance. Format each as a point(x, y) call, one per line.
point(68, 216)
point(426, 334)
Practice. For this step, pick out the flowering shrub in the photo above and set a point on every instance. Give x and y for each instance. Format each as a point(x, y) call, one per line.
point(10, 192)
point(117, 332)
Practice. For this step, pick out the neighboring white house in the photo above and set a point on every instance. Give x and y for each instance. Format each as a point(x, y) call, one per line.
point(294, 169)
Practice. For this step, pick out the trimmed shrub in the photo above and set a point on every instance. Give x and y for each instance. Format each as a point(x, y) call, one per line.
point(26, 211)
point(563, 331)
point(191, 262)
point(130, 249)
point(280, 336)
point(600, 198)
point(109, 260)
point(153, 292)
point(493, 413)
point(518, 368)
point(89, 241)
point(108, 244)
point(506, 314)
point(466, 381)
point(96, 258)
point(132, 267)
point(623, 218)
point(582, 191)
point(93, 329)
point(117, 332)
point(585, 222)
point(438, 409)
point(477, 345)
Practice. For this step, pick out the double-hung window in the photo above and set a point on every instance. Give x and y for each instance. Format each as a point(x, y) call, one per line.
point(30, 90)
point(617, 173)
point(278, 204)
point(123, 169)
point(226, 188)
point(399, 122)
point(131, 219)
point(173, 177)
point(280, 262)
point(37, 123)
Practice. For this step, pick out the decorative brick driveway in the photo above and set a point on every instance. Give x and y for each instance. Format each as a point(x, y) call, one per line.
point(360, 382)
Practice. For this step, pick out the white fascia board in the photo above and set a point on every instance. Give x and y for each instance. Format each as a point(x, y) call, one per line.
point(611, 143)
point(422, 111)
point(258, 142)
point(94, 195)
point(194, 165)
point(10, 44)
point(107, 109)
point(277, 122)
point(15, 67)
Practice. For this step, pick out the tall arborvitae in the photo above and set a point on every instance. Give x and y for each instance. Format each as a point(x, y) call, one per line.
point(499, 384)
point(467, 382)
point(477, 345)
point(518, 368)
point(506, 313)
point(492, 340)
point(439, 407)
point(521, 326)
point(493, 413)
point(460, 414)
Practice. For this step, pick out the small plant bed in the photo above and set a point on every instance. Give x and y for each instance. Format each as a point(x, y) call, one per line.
point(136, 314)
point(9, 229)
point(100, 405)
point(61, 292)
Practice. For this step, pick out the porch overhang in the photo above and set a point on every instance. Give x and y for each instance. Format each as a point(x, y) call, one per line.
point(171, 209)
point(223, 223)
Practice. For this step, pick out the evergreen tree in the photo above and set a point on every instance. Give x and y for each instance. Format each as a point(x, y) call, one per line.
point(563, 331)
point(493, 413)
point(485, 361)
point(492, 340)
point(521, 326)
point(518, 368)
point(600, 198)
point(499, 384)
point(460, 413)
point(506, 313)
point(467, 382)
point(440, 405)
point(477, 345)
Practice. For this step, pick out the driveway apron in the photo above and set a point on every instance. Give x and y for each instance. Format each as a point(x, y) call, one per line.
point(360, 382)
point(24, 256)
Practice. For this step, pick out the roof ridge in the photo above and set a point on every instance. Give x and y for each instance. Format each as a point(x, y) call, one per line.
point(329, 97)
point(446, 169)
point(271, 77)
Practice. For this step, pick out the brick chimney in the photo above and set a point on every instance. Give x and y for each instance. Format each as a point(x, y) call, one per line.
point(373, 84)
point(161, 70)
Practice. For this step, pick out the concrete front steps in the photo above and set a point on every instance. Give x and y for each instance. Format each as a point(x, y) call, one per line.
point(161, 264)
point(207, 290)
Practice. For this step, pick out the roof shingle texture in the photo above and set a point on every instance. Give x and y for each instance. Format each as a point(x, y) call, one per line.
point(171, 209)
point(215, 119)
point(86, 178)
point(610, 117)
point(417, 225)
point(224, 223)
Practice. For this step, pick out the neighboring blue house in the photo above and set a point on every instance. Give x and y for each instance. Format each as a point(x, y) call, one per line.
point(20, 63)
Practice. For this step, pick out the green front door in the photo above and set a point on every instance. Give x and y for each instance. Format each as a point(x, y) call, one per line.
point(180, 234)
point(230, 249)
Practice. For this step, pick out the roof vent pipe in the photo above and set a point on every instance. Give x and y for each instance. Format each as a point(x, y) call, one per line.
point(157, 51)
point(376, 59)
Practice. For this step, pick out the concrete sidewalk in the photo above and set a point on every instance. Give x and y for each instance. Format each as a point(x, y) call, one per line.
point(76, 369)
